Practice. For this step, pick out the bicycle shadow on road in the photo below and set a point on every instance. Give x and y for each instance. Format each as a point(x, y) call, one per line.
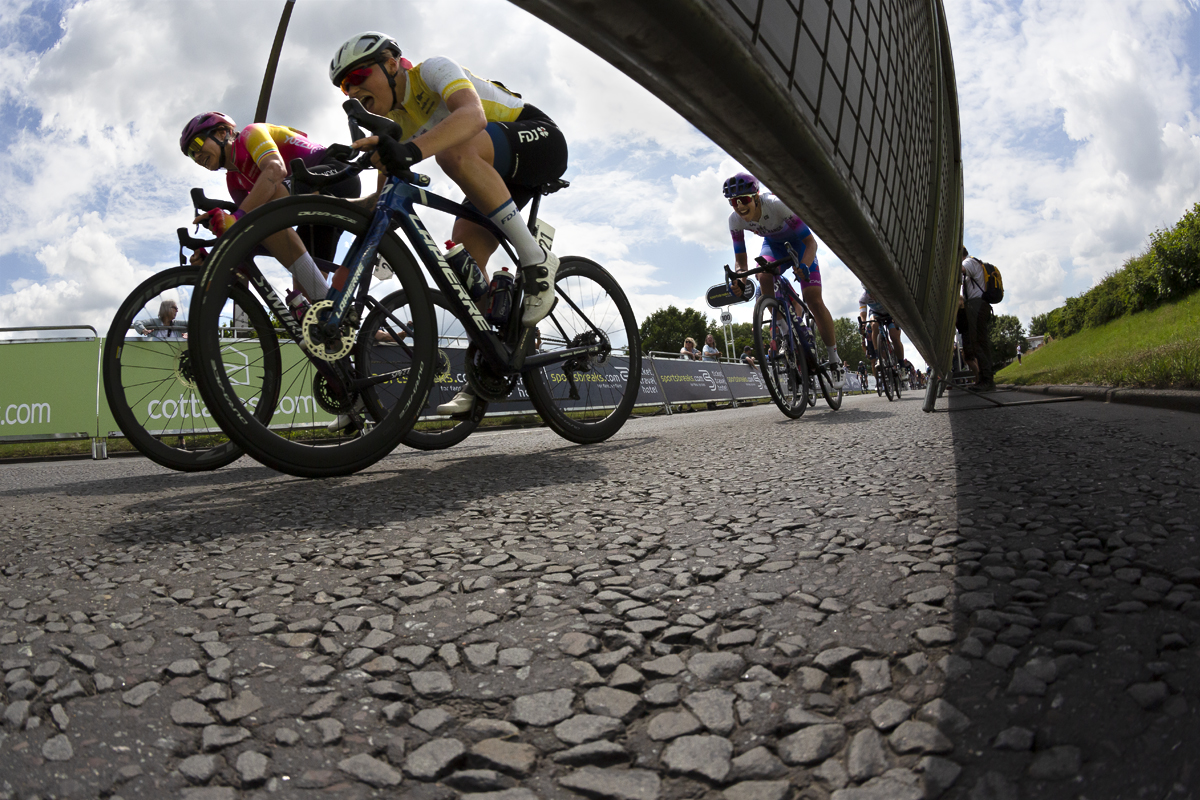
point(373, 497)
point(1075, 604)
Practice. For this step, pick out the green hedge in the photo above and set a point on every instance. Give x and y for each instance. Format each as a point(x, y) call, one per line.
point(1168, 270)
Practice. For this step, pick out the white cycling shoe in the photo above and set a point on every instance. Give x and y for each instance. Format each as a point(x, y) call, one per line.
point(344, 421)
point(839, 376)
point(461, 403)
point(538, 305)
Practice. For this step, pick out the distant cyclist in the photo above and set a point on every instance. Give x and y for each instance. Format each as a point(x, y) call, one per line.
point(488, 140)
point(868, 304)
point(257, 163)
point(779, 226)
point(862, 375)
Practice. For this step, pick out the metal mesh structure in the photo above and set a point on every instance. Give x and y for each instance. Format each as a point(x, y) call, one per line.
point(846, 108)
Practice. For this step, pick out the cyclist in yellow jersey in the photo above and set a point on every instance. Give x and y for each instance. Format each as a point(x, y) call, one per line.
point(488, 140)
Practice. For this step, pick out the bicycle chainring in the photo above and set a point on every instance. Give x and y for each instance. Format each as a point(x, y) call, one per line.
point(484, 381)
point(327, 398)
point(318, 344)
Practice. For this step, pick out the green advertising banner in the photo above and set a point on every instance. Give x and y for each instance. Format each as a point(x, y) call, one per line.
point(49, 389)
point(165, 401)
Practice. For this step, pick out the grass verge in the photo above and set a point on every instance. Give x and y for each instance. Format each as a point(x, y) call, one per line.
point(1156, 349)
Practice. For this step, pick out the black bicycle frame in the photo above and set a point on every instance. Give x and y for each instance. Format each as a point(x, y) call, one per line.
point(396, 204)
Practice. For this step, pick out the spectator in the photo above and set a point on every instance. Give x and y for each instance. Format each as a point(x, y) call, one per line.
point(163, 326)
point(537, 340)
point(689, 351)
point(1018, 354)
point(976, 344)
point(711, 353)
point(748, 357)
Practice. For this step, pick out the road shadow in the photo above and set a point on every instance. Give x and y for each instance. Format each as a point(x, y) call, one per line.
point(387, 493)
point(1075, 604)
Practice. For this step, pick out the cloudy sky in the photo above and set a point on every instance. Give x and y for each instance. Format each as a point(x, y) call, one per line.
point(1079, 131)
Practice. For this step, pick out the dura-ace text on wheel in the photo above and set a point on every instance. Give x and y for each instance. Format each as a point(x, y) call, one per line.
point(319, 378)
point(783, 369)
point(588, 398)
point(380, 350)
point(150, 382)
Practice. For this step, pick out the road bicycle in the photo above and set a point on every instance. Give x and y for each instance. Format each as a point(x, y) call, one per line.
point(887, 378)
point(148, 375)
point(785, 345)
point(575, 385)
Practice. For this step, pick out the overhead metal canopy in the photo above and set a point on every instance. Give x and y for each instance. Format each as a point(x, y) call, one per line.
point(845, 108)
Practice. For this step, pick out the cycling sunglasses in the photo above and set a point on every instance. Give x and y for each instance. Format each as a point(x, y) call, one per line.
point(743, 200)
point(355, 77)
point(195, 146)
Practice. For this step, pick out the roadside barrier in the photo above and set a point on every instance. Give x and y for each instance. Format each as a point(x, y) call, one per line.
point(54, 389)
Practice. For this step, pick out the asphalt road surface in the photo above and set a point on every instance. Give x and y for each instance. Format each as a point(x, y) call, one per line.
point(874, 603)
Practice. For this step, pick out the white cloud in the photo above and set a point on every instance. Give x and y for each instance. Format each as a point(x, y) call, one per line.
point(1079, 136)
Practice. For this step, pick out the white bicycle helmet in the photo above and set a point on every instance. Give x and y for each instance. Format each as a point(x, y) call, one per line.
point(363, 48)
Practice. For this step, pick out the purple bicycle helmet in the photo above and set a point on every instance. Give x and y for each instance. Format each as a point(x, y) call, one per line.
point(196, 131)
point(741, 184)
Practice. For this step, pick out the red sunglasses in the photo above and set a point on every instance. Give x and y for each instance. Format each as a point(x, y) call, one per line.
point(355, 77)
point(744, 200)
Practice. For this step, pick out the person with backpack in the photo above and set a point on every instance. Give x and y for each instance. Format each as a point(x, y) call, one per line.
point(980, 285)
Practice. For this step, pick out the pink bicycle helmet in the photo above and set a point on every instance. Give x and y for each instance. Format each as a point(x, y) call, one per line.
point(200, 125)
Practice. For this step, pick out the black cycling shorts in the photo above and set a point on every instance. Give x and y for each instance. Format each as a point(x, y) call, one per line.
point(538, 153)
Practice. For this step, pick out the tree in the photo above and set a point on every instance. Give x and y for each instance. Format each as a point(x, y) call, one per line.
point(665, 329)
point(1006, 335)
point(1039, 325)
point(849, 343)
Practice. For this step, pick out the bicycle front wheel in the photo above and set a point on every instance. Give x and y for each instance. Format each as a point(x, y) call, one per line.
point(383, 347)
point(887, 373)
point(784, 371)
point(587, 399)
point(306, 436)
point(150, 383)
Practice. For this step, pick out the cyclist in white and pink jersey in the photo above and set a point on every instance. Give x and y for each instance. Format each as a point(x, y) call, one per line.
point(778, 225)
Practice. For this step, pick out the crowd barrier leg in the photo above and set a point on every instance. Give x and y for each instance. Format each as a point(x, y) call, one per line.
point(99, 449)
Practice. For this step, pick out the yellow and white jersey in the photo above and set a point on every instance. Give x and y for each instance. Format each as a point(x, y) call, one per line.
point(435, 79)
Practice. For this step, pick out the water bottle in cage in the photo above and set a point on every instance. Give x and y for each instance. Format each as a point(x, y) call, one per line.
point(501, 297)
point(472, 276)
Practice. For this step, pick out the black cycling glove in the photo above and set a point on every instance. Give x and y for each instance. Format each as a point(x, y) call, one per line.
point(396, 157)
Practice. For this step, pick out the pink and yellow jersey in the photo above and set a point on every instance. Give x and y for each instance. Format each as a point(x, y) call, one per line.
point(255, 142)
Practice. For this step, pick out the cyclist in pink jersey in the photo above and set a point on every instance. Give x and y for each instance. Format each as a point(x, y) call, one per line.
point(257, 162)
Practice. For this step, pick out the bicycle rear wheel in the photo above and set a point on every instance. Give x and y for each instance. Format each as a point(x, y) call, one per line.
point(784, 371)
point(300, 439)
point(586, 400)
point(150, 383)
point(382, 347)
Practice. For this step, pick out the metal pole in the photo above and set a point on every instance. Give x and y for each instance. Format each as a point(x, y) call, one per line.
point(264, 96)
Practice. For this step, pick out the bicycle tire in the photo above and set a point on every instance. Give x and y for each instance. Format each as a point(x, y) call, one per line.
point(374, 354)
point(296, 443)
point(142, 375)
point(583, 285)
point(833, 397)
point(782, 362)
point(885, 368)
point(899, 380)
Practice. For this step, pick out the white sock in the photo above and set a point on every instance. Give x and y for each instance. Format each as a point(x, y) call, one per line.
point(834, 358)
point(312, 282)
point(508, 219)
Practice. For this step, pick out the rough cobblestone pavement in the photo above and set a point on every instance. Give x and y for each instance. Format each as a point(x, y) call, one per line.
point(877, 603)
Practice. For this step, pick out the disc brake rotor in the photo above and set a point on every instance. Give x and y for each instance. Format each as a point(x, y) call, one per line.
point(315, 339)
